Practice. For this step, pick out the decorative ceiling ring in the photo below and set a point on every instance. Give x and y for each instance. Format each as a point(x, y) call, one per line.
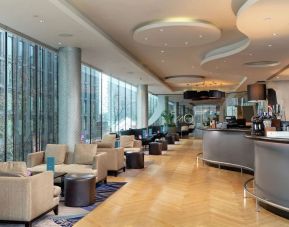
point(176, 32)
point(185, 79)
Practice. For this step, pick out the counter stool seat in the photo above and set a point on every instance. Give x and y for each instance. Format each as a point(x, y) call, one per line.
point(79, 190)
point(170, 139)
point(155, 148)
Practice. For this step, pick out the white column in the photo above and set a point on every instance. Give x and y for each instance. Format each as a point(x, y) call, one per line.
point(69, 72)
point(142, 106)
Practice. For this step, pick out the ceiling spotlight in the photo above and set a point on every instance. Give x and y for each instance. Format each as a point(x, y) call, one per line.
point(225, 61)
point(59, 43)
point(41, 21)
point(269, 45)
point(274, 34)
point(165, 44)
point(277, 77)
point(186, 43)
point(162, 60)
point(161, 30)
point(162, 51)
point(146, 38)
point(200, 36)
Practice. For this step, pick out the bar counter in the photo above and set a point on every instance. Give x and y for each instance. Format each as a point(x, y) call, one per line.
point(228, 147)
point(272, 169)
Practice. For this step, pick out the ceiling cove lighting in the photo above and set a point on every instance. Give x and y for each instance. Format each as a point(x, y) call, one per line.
point(256, 92)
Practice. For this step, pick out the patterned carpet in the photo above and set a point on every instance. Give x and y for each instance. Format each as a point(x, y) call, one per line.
point(68, 215)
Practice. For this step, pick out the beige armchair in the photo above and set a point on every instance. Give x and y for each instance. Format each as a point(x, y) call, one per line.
point(130, 144)
point(84, 159)
point(24, 199)
point(115, 158)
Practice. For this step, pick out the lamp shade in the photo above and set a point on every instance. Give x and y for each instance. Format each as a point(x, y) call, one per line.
point(203, 94)
point(256, 92)
point(190, 94)
point(215, 94)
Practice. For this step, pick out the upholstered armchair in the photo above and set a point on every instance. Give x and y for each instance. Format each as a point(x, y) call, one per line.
point(115, 156)
point(129, 143)
point(25, 198)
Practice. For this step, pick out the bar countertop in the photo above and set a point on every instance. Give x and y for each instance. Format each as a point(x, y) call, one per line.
point(227, 129)
point(268, 139)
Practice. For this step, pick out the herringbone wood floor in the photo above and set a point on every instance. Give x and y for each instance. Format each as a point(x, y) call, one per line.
point(175, 191)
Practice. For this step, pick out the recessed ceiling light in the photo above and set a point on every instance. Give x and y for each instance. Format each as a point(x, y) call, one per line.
point(277, 77)
point(162, 60)
point(41, 21)
point(161, 30)
point(193, 66)
point(225, 61)
point(146, 38)
point(269, 45)
point(267, 18)
point(165, 44)
point(250, 54)
point(200, 36)
point(162, 51)
point(186, 43)
point(274, 34)
point(59, 43)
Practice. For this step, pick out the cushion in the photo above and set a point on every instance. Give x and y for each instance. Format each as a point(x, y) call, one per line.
point(126, 141)
point(13, 169)
point(102, 144)
point(109, 138)
point(58, 151)
point(84, 153)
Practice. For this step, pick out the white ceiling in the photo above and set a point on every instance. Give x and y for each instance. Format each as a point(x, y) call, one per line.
point(251, 31)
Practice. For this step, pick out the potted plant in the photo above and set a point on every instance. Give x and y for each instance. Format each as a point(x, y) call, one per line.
point(169, 121)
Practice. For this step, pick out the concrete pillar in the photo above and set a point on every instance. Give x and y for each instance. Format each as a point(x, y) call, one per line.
point(166, 103)
point(69, 72)
point(177, 112)
point(142, 106)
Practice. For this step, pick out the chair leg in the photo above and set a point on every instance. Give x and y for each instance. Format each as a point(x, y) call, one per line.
point(123, 169)
point(115, 173)
point(55, 210)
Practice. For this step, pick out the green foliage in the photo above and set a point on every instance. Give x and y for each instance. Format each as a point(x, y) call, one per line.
point(168, 118)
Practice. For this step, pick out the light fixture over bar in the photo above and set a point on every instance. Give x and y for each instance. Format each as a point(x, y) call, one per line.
point(256, 92)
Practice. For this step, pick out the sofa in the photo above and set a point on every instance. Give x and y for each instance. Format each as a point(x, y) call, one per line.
point(85, 159)
point(25, 198)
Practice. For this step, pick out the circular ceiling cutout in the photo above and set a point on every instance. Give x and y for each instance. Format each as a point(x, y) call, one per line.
point(262, 64)
point(185, 79)
point(177, 32)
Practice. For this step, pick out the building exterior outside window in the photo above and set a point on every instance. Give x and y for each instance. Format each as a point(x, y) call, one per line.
point(108, 104)
point(28, 97)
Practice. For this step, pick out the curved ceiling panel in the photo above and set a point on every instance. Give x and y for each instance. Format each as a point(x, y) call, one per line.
point(177, 32)
point(265, 23)
point(226, 51)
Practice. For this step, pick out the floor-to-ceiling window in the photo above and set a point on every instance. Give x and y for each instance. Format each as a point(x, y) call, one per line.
point(28, 97)
point(108, 104)
point(153, 103)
